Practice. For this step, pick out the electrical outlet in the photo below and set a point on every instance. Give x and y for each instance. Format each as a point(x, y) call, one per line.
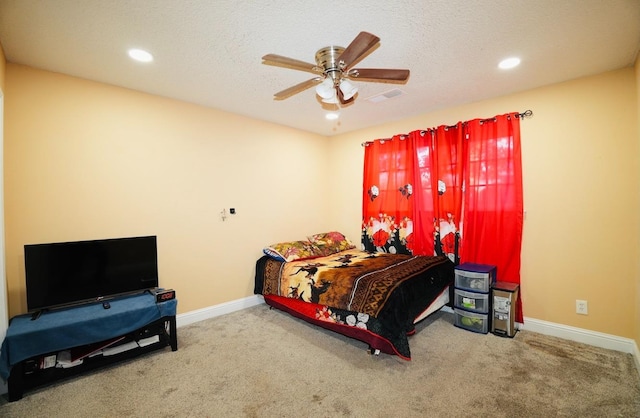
point(581, 307)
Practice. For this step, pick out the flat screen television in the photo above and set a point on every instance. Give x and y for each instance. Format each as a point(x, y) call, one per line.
point(69, 273)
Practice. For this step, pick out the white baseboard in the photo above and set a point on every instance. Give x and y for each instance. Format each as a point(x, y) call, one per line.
point(597, 339)
point(217, 310)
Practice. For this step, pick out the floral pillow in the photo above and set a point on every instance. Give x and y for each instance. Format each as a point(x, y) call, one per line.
point(292, 250)
point(331, 242)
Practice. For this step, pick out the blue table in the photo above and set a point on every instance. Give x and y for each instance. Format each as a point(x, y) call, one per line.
point(82, 325)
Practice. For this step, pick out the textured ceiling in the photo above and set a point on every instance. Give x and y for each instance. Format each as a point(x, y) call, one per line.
point(209, 52)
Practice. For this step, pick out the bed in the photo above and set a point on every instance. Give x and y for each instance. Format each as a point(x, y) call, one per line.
point(374, 297)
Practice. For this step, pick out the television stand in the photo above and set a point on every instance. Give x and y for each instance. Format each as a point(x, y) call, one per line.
point(67, 342)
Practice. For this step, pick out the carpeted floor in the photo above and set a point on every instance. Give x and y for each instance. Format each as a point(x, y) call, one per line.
point(260, 362)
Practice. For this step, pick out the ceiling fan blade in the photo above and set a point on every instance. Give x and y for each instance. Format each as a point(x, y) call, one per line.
point(357, 48)
point(381, 75)
point(281, 95)
point(280, 61)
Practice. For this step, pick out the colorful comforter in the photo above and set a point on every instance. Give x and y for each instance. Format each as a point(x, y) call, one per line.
point(373, 297)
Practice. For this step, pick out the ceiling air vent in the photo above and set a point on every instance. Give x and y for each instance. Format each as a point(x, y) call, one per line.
point(385, 96)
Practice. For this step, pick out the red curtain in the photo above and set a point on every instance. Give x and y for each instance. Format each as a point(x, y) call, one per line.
point(387, 201)
point(493, 207)
point(423, 209)
point(454, 190)
point(438, 209)
point(448, 161)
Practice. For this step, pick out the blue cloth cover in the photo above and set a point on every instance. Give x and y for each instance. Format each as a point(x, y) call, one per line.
point(63, 329)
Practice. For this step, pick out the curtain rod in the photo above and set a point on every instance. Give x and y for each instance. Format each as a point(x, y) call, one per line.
point(525, 114)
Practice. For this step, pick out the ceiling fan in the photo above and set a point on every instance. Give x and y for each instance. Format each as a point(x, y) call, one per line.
point(333, 71)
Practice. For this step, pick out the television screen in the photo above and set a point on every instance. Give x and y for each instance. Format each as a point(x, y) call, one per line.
point(66, 273)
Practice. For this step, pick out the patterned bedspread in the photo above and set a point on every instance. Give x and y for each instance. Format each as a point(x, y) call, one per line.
point(374, 297)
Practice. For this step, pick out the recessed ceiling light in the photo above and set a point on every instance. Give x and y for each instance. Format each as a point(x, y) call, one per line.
point(332, 115)
point(509, 63)
point(140, 55)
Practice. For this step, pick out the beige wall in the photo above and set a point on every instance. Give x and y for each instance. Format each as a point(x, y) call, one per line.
point(580, 158)
point(4, 310)
point(637, 315)
point(85, 160)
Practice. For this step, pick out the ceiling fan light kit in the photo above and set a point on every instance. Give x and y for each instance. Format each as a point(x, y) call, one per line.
point(325, 89)
point(334, 73)
point(348, 89)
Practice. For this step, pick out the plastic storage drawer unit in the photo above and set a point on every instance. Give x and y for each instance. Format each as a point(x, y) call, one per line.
point(471, 301)
point(475, 277)
point(471, 321)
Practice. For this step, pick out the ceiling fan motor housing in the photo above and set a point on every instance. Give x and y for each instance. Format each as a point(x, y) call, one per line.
point(327, 59)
